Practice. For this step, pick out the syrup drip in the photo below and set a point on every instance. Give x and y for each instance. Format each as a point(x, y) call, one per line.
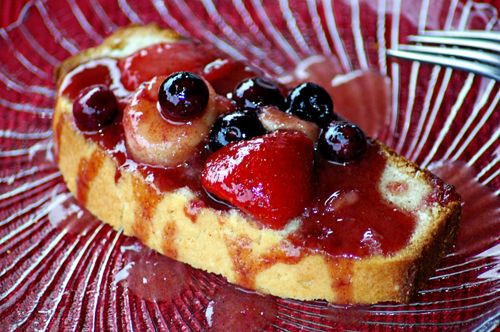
point(234, 309)
point(87, 171)
point(149, 275)
point(350, 218)
point(153, 277)
point(481, 207)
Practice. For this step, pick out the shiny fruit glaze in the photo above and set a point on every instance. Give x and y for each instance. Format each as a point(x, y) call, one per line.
point(342, 142)
point(165, 59)
point(268, 177)
point(349, 216)
point(362, 177)
point(183, 96)
point(311, 102)
point(224, 73)
point(234, 127)
point(256, 92)
point(94, 108)
point(372, 112)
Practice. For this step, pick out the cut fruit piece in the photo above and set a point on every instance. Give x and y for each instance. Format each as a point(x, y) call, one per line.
point(274, 119)
point(152, 139)
point(269, 177)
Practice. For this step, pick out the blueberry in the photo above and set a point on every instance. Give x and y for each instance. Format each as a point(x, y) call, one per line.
point(183, 96)
point(311, 102)
point(258, 91)
point(94, 108)
point(342, 142)
point(233, 127)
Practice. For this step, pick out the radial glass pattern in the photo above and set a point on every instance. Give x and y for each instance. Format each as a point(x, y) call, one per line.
point(62, 269)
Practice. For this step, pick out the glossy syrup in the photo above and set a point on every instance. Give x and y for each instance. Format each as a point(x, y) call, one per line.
point(149, 275)
point(154, 277)
point(232, 309)
point(349, 216)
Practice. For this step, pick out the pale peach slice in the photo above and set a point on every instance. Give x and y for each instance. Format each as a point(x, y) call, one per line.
point(154, 140)
point(273, 119)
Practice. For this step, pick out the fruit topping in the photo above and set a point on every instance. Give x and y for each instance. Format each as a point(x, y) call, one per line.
point(311, 102)
point(233, 127)
point(258, 91)
point(342, 142)
point(152, 140)
point(273, 119)
point(182, 96)
point(268, 177)
point(94, 108)
point(349, 216)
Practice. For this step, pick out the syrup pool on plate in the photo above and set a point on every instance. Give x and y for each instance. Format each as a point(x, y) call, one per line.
point(153, 277)
point(150, 275)
point(65, 213)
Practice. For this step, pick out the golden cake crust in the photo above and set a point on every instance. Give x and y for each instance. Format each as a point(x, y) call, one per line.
point(230, 243)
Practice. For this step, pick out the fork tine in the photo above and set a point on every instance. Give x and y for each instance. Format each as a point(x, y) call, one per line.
point(467, 54)
point(460, 64)
point(481, 44)
point(470, 34)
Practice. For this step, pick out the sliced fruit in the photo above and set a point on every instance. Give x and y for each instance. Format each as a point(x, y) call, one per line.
point(273, 119)
point(268, 177)
point(154, 140)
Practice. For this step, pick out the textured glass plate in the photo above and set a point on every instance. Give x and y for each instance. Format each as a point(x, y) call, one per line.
point(59, 267)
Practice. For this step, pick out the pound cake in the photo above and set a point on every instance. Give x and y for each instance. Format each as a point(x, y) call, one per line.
point(208, 161)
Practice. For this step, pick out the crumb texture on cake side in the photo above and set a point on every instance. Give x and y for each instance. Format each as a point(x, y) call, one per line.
point(229, 243)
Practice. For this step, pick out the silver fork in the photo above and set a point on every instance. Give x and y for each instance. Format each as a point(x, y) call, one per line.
point(473, 51)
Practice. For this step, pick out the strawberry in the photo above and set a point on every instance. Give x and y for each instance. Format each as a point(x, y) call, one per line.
point(268, 177)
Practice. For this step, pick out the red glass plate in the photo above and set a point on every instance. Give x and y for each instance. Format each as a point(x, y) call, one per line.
point(61, 269)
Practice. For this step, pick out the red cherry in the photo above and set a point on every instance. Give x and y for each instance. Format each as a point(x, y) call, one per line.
point(95, 107)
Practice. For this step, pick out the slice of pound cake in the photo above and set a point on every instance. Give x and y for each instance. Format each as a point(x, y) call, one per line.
point(207, 161)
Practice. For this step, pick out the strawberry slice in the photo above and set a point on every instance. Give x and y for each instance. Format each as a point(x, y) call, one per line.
point(268, 177)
